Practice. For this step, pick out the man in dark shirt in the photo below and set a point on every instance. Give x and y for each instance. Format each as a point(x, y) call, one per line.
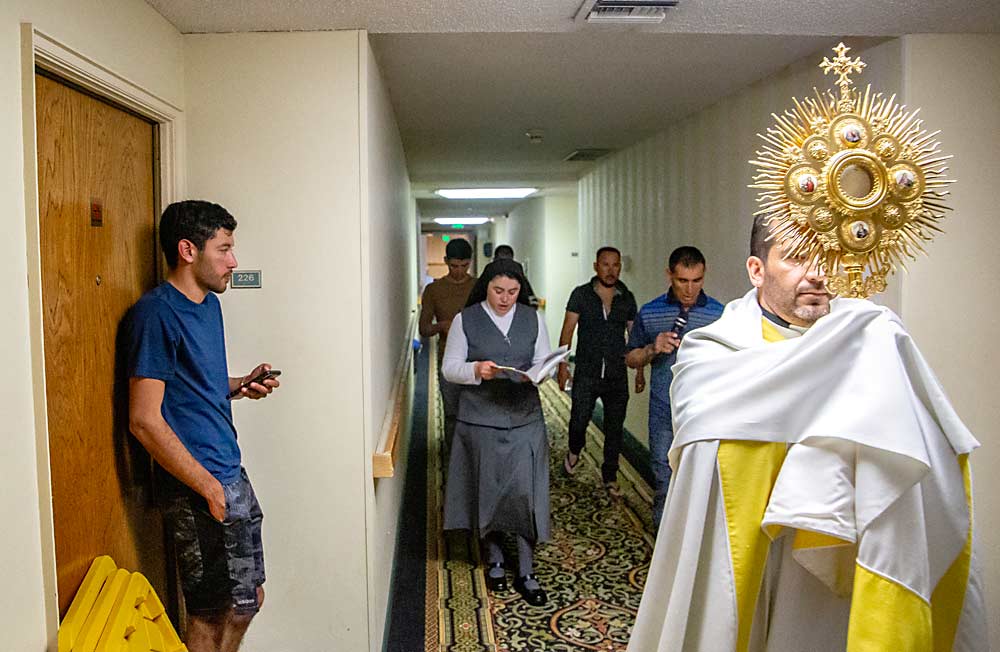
point(604, 309)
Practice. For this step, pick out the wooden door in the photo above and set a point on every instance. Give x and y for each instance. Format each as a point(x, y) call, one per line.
point(97, 214)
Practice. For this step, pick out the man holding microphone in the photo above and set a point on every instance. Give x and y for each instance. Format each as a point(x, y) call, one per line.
point(654, 338)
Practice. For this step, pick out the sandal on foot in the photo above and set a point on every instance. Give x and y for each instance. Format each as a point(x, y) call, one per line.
point(570, 467)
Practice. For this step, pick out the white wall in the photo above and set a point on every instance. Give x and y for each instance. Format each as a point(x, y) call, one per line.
point(563, 259)
point(949, 298)
point(687, 186)
point(484, 234)
point(526, 234)
point(129, 38)
point(544, 234)
point(388, 256)
point(498, 236)
point(274, 134)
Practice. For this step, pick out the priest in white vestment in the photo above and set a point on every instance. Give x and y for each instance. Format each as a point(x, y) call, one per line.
point(822, 497)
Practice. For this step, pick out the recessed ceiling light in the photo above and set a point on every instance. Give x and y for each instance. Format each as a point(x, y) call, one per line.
point(485, 193)
point(449, 221)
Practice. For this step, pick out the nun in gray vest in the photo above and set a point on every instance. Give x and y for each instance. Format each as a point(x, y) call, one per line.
point(498, 475)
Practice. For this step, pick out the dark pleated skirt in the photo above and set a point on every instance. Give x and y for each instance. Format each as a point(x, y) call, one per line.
point(498, 480)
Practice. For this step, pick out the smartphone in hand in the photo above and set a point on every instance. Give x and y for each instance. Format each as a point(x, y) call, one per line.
point(259, 378)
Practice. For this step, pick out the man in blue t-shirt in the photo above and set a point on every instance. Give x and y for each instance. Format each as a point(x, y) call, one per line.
point(656, 333)
point(179, 408)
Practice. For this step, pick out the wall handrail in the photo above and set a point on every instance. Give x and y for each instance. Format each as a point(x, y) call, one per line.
point(384, 457)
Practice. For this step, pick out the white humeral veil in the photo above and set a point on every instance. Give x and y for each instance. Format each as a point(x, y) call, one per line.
point(872, 447)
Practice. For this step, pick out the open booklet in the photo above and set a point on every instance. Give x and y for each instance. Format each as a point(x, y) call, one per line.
point(543, 369)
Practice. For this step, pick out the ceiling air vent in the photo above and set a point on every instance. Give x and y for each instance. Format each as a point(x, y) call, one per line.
point(625, 11)
point(590, 154)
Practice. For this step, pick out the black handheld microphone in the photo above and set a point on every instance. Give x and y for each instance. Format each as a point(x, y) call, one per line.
point(680, 322)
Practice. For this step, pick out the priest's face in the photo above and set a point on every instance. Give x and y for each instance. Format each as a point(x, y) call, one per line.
point(791, 288)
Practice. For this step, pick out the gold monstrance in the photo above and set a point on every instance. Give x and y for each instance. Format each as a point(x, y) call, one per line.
point(852, 184)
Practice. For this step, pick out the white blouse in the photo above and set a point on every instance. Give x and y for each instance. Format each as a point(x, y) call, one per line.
point(454, 366)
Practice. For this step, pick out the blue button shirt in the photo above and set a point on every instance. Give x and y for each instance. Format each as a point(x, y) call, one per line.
point(657, 317)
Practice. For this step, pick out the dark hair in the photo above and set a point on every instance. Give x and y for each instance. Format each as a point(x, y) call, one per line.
point(503, 251)
point(761, 241)
point(458, 249)
point(607, 249)
point(687, 255)
point(193, 220)
point(502, 267)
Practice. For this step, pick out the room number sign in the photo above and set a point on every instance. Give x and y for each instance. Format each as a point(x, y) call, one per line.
point(245, 278)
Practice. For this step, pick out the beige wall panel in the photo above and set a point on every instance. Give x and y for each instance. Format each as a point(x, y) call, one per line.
point(949, 298)
point(562, 259)
point(544, 232)
point(498, 236)
point(274, 135)
point(526, 234)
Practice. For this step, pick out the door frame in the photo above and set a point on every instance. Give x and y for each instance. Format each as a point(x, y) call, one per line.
point(45, 51)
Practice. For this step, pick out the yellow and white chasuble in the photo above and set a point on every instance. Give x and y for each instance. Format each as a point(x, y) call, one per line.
point(821, 496)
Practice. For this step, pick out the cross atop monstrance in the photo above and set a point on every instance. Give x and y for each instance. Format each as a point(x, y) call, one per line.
point(843, 66)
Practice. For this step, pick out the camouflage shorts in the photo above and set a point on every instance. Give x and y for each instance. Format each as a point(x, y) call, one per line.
point(220, 564)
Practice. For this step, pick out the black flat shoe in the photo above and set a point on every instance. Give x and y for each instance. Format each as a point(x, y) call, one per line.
point(535, 597)
point(495, 584)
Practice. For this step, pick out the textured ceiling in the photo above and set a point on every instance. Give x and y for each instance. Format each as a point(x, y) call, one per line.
point(800, 17)
point(468, 78)
point(464, 101)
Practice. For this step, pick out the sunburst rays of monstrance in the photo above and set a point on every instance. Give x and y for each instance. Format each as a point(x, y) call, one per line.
point(853, 184)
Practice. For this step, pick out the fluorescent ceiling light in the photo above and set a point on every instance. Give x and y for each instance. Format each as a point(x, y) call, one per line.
point(485, 193)
point(461, 220)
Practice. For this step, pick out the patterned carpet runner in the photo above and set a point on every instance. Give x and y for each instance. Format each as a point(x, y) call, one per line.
point(593, 569)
